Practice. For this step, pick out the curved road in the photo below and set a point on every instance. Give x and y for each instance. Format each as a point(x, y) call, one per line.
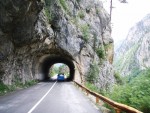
point(47, 97)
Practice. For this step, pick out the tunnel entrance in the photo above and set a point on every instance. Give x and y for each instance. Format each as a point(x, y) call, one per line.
point(48, 61)
point(59, 69)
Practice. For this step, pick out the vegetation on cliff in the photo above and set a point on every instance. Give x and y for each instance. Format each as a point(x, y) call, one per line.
point(134, 92)
point(16, 85)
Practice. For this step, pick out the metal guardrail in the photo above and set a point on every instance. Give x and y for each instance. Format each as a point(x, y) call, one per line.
point(117, 106)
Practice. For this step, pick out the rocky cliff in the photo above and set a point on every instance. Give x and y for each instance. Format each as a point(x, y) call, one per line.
point(134, 53)
point(34, 34)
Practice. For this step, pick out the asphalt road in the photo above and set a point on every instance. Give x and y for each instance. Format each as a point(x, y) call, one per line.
point(47, 97)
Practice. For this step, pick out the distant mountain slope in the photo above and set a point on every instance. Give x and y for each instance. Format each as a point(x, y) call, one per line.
point(134, 53)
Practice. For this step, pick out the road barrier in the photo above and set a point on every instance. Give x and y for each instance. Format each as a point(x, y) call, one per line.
point(118, 107)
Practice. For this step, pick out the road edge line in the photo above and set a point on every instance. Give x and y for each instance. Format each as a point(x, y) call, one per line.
point(30, 111)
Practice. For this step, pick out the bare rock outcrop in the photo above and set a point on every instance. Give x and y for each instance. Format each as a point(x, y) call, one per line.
point(37, 31)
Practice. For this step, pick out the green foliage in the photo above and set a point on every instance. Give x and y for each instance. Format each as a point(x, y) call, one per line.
point(17, 81)
point(48, 14)
point(8, 88)
point(118, 78)
point(47, 8)
point(100, 52)
point(64, 69)
point(107, 46)
point(85, 29)
point(93, 73)
point(3, 89)
point(75, 20)
point(92, 87)
point(55, 69)
point(135, 93)
point(64, 5)
point(19, 84)
point(30, 83)
point(81, 14)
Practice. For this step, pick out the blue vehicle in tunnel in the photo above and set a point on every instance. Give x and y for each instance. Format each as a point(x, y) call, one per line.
point(48, 63)
point(60, 77)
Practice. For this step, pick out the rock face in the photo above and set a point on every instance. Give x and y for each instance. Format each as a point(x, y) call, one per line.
point(134, 53)
point(33, 32)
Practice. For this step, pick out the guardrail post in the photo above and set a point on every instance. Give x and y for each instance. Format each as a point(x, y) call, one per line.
point(97, 100)
point(117, 110)
point(87, 93)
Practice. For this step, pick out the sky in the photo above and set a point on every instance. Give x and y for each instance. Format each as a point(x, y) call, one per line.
point(58, 64)
point(124, 16)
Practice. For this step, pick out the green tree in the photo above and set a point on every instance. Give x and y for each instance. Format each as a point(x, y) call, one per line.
point(134, 93)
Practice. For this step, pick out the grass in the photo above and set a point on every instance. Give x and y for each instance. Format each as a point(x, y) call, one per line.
point(85, 29)
point(9, 88)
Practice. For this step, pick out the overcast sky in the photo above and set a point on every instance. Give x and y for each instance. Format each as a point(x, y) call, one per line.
point(124, 16)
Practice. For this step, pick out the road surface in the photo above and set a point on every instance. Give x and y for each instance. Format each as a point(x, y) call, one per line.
point(47, 97)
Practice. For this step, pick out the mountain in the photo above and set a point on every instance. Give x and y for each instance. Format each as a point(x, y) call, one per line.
point(35, 34)
point(134, 53)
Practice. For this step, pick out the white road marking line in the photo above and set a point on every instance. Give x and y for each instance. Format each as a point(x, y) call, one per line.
point(41, 99)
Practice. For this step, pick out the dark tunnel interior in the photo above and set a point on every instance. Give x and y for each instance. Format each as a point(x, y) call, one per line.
point(49, 61)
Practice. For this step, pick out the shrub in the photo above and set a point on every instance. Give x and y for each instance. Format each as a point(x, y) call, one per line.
point(3, 88)
point(93, 73)
point(118, 78)
point(17, 84)
point(81, 14)
point(30, 83)
point(48, 14)
point(64, 5)
point(91, 87)
point(85, 31)
point(100, 52)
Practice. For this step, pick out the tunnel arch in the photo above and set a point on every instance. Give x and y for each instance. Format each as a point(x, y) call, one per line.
point(47, 61)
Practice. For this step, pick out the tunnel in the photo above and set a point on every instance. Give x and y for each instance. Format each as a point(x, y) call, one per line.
point(48, 61)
